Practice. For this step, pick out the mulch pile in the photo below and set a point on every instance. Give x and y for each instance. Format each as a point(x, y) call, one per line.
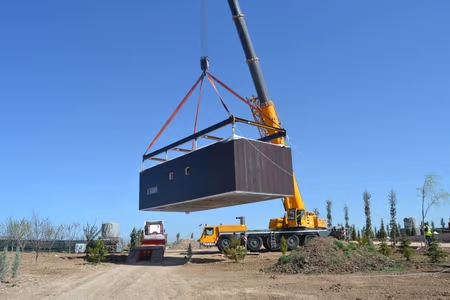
point(332, 256)
point(183, 244)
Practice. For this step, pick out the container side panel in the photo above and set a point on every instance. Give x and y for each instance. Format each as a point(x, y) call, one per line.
point(263, 168)
point(203, 173)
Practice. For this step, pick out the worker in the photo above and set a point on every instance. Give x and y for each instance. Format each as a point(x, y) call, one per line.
point(427, 230)
point(299, 219)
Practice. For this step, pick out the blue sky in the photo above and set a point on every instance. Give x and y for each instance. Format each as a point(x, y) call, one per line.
point(362, 89)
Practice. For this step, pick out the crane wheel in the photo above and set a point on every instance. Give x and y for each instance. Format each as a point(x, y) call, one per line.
point(223, 243)
point(292, 242)
point(254, 243)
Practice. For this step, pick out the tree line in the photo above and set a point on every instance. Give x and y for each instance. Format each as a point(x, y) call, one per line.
point(41, 233)
point(430, 193)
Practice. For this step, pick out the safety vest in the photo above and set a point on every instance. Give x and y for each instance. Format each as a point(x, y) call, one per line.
point(427, 230)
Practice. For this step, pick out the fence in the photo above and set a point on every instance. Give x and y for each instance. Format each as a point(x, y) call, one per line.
point(63, 245)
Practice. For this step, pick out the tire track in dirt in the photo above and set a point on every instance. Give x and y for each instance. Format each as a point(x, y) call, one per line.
point(129, 282)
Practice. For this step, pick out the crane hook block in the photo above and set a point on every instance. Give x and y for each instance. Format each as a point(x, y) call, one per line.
point(204, 63)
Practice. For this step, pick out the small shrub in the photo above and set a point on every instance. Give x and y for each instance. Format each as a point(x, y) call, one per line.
point(97, 252)
point(364, 240)
point(435, 252)
point(235, 251)
point(405, 247)
point(352, 246)
point(285, 259)
point(339, 244)
point(4, 264)
point(16, 263)
point(188, 257)
point(283, 245)
point(385, 249)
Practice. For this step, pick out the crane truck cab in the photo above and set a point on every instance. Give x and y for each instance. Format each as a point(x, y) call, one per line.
point(211, 234)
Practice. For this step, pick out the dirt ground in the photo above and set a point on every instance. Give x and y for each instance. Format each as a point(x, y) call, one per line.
point(212, 276)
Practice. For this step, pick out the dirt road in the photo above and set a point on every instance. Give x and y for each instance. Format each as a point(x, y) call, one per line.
point(211, 276)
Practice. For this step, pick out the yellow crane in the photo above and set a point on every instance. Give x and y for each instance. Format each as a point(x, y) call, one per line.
point(298, 224)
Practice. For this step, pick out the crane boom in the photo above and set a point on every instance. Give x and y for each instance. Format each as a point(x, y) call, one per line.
point(250, 55)
point(294, 206)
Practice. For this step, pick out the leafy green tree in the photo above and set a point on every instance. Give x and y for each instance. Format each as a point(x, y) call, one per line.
point(382, 233)
point(188, 257)
point(329, 216)
point(283, 245)
point(4, 264)
point(97, 252)
point(346, 216)
point(140, 237)
point(133, 237)
point(354, 235)
point(366, 198)
point(16, 263)
point(431, 195)
point(235, 250)
point(178, 237)
point(405, 247)
point(385, 249)
point(393, 212)
point(435, 252)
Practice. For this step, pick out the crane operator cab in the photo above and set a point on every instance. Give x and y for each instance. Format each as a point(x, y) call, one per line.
point(296, 216)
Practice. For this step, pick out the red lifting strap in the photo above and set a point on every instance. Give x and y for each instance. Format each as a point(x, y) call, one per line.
point(175, 112)
point(196, 114)
point(200, 80)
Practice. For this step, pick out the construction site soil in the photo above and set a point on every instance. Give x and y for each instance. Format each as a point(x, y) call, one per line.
point(323, 269)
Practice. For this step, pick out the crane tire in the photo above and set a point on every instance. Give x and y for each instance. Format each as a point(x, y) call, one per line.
point(223, 243)
point(254, 243)
point(292, 242)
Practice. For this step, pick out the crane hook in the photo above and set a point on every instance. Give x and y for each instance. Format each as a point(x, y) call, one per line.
point(204, 64)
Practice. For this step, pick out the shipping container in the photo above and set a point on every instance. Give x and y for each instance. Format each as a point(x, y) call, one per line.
point(231, 172)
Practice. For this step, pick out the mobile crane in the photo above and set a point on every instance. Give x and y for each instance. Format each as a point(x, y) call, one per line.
point(297, 225)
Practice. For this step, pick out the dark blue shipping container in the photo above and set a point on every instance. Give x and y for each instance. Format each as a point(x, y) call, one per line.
point(227, 173)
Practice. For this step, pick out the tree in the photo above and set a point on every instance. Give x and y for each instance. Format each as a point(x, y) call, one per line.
point(316, 211)
point(16, 264)
point(52, 233)
point(133, 237)
point(413, 231)
point(354, 237)
point(97, 252)
point(90, 233)
point(382, 233)
point(283, 245)
point(366, 198)
point(192, 236)
point(178, 237)
point(393, 211)
point(346, 216)
point(139, 237)
point(329, 216)
point(71, 232)
point(431, 195)
point(17, 231)
point(37, 233)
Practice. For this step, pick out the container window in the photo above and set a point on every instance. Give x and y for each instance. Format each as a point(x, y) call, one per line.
point(152, 190)
point(187, 170)
point(171, 176)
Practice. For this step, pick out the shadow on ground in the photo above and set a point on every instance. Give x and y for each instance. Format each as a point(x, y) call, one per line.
point(121, 259)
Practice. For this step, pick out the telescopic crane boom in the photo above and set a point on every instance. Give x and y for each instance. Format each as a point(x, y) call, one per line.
point(294, 206)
